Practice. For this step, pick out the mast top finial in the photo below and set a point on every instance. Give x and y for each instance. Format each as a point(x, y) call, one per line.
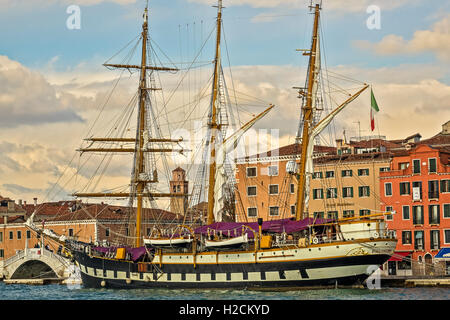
point(219, 5)
point(145, 15)
point(315, 3)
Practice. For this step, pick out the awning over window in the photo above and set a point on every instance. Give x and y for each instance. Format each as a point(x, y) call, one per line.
point(444, 253)
point(399, 255)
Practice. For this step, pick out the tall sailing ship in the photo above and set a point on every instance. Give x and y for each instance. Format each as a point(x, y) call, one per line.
point(293, 252)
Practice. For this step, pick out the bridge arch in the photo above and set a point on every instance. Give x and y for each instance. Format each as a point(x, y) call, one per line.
point(35, 263)
point(33, 269)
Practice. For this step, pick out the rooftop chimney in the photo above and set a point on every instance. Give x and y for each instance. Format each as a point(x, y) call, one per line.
point(35, 201)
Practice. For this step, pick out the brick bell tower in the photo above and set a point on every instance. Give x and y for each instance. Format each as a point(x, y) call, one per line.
point(178, 184)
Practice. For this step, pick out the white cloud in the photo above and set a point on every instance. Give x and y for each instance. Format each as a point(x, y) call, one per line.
point(34, 155)
point(27, 98)
point(435, 40)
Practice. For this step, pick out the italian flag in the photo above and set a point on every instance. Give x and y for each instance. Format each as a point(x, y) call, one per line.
point(374, 109)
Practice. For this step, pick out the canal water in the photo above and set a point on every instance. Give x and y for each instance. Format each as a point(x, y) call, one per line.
point(76, 292)
point(61, 300)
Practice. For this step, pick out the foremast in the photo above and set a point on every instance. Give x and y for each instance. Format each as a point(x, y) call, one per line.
point(139, 178)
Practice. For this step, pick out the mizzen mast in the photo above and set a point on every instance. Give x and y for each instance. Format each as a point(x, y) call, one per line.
point(307, 115)
point(311, 129)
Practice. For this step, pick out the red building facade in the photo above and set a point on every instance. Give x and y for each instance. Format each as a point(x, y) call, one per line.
point(417, 192)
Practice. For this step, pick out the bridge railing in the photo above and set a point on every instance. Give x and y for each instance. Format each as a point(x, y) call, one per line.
point(34, 253)
point(19, 255)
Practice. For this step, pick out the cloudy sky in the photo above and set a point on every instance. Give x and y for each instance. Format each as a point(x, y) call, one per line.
point(52, 82)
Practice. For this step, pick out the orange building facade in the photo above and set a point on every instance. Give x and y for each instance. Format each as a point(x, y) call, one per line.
point(417, 192)
point(90, 223)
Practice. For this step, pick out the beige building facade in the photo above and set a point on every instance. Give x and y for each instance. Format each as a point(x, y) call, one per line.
point(345, 182)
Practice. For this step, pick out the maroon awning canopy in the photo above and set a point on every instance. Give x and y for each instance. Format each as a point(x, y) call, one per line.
point(399, 255)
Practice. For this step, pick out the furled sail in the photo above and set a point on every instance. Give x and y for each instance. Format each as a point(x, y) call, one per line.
point(227, 146)
point(315, 131)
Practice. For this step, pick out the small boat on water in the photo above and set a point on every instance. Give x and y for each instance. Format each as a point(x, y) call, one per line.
point(175, 242)
point(227, 243)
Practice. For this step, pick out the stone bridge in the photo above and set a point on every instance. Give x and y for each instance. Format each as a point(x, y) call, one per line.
point(36, 263)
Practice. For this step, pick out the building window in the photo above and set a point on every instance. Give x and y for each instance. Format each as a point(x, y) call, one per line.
point(251, 172)
point(320, 215)
point(446, 209)
point(364, 191)
point(28, 234)
point(347, 192)
point(107, 232)
point(272, 170)
point(416, 166)
point(317, 175)
point(445, 186)
point(405, 212)
point(293, 210)
point(273, 211)
point(388, 189)
point(1, 236)
point(418, 240)
point(252, 212)
point(405, 264)
point(19, 235)
point(317, 194)
point(364, 212)
point(433, 189)
point(363, 172)
point(403, 165)
point(292, 188)
point(251, 191)
point(432, 167)
point(417, 214)
point(447, 236)
point(433, 214)
point(273, 189)
point(70, 232)
point(434, 240)
point(389, 209)
point(329, 174)
point(347, 173)
point(385, 169)
point(331, 193)
point(348, 213)
point(11, 235)
point(2, 253)
point(406, 237)
point(332, 215)
point(417, 190)
point(404, 188)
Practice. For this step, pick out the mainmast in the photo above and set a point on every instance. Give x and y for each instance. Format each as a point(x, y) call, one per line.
point(307, 116)
point(213, 122)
